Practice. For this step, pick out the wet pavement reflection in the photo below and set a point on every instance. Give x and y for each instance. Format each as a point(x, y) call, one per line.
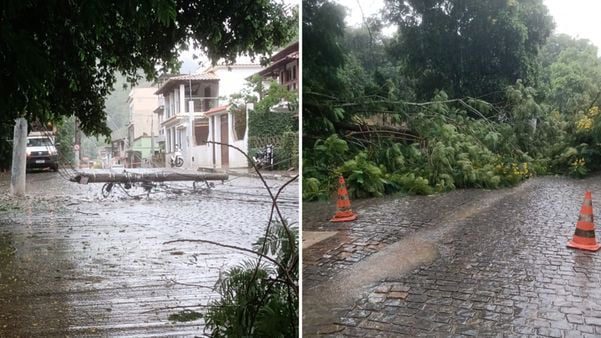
point(468, 263)
point(75, 263)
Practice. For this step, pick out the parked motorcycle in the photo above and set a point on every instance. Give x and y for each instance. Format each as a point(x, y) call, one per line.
point(264, 157)
point(177, 160)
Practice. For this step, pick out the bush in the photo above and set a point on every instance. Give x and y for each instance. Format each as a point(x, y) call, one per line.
point(364, 178)
point(254, 302)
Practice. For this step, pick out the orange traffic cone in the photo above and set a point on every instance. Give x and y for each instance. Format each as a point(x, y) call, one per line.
point(584, 237)
point(344, 213)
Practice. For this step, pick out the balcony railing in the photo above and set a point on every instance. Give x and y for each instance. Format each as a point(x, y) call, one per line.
point(192, 104)
point(197, 104)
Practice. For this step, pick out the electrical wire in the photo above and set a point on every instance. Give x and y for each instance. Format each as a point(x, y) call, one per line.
point(65, 174)
point(68, 175)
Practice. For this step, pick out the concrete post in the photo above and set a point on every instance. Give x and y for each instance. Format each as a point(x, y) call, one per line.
point(19, 165)
point(77, 164)
point(152, 138)
point(77, 143)
point(182, 99)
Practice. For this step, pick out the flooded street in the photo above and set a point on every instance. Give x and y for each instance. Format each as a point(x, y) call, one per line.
point(467, 263)
point(75, 263)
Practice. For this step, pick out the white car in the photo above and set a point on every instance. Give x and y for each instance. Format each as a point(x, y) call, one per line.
point(41, 152)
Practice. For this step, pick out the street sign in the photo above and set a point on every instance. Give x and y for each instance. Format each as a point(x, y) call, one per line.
point(76, 147)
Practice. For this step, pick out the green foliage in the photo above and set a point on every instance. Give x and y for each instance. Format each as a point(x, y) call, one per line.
point(6, 145)
point(274, 94)
point(571, 78)
point(66, 62)
point(469, 48)
point(267, 123)
point(287, 153)
point(364, 178)
point(320, 164)
point(323, 29)
point(487, 114)
point(460, 152)
point(312, 189)
point(255, 303)
point(411, 184)
point(65, 134)
point(185, 316)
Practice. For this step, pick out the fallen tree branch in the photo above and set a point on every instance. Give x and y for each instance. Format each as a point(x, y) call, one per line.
point(367, 132)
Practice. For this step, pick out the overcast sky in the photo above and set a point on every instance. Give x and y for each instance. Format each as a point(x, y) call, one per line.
point(191, 65)
point(579, 18)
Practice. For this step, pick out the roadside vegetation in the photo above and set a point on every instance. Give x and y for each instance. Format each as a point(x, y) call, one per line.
point(464, 94)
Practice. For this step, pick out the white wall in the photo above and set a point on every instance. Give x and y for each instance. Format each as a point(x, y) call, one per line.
point(142, 103)
point(237, 160)
point(232, 80)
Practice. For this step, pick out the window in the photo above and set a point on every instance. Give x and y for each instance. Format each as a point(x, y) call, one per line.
point(176, 101)
point(294, 72)
point(207, 101)
point(178, 142)
point(168, 140)
point(201, 133)
point(171, 104)
point(39, 142)
point(239, 121)
point(173, 142)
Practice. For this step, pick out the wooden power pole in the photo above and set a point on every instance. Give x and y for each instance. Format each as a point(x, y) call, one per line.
point(19, 165)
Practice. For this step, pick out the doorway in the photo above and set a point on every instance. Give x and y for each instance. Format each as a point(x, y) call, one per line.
point(225, 155)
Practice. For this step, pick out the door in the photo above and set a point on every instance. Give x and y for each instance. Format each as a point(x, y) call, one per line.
point(225, 155)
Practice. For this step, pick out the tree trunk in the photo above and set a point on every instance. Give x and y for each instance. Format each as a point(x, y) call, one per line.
point(19, 165)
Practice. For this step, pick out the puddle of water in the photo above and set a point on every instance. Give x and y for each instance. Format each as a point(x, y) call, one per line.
point(86, 265)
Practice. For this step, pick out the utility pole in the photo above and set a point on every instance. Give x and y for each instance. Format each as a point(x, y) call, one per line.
point(76, 144)
point(152, 138)
point(19, 165)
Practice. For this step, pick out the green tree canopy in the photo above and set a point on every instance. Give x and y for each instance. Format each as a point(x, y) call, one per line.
point(323, 56)
point(469, 47)
point(60, 58)
point(572, 73)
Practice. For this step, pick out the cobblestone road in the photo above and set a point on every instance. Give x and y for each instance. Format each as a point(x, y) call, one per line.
point(468, 263)
point(75, 264)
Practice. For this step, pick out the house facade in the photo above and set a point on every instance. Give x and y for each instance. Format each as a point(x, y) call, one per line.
point(193, 110)
point(232, 78)
point(143, 128)
point(119, 147)
point(185, 99)
point(158, 158)
point(228, 126)
point(284, 67)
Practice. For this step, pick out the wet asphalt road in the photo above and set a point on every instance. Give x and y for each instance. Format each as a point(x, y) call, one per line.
point(75, 263)
point(467, 263)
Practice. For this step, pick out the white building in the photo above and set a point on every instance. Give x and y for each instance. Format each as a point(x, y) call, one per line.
point(228, 126)
point(232, 78)
point(186, 98)
point(142, 128)
point(193, 110)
